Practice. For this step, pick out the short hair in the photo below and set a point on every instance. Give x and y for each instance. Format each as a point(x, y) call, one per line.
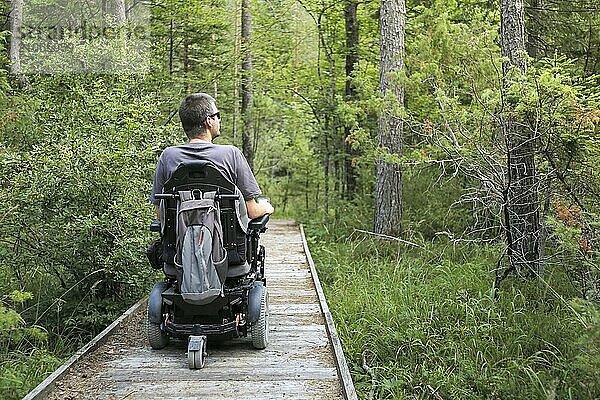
point(193, 111)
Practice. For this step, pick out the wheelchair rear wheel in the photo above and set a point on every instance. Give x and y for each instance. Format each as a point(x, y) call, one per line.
point(157, 337)
point(260, 329)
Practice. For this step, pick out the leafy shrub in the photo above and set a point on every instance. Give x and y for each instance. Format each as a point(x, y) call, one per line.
point(432, 203)
point(24, 357)
point(78, 154)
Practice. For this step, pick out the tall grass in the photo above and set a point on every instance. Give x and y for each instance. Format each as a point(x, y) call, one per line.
point(424, 323)
point(21, 371)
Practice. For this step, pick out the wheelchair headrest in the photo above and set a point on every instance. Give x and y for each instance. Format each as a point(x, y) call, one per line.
point(196, 165)
point(198, 172)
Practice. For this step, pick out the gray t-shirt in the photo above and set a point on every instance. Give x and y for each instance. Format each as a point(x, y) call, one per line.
point(228, 159)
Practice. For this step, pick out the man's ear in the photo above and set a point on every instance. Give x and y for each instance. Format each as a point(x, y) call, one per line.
point(208, 123)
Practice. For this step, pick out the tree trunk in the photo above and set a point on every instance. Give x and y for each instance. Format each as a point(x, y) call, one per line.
point(103, 12)
point(236, 68)
point(534, 27)
point(331, 123)
point(5, 8)
point(16, 24)
point(171, 46)
point(350, 14)
point(186, 62)
point(388, 187)
point(512, 30)
point(522, 208)
point(247, 90)
point(119, 12)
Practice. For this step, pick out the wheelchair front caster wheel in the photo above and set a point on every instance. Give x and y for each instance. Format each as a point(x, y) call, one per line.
point(197, 352)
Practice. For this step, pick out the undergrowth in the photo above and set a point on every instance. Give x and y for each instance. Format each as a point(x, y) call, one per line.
point(423, 322)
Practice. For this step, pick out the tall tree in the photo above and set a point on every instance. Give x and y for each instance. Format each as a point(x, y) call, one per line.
point(104, 13)
point(388, 182)
point(16, 24)
point(521, 203)
point(351, 23)
point(534, 38)
point(119, 12)
point(236, 69)
point(247, 90)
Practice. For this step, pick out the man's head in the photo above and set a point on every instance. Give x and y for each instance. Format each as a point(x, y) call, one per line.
point(199, 115)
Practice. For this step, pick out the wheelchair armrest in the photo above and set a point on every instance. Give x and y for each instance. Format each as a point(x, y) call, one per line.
point(259, 224)
point(155, 226)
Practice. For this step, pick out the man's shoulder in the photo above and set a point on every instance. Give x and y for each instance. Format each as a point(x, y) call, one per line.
point(173, 149)
point(229, 147)
point(173, 155)
point(206, 149)
point(226, 149)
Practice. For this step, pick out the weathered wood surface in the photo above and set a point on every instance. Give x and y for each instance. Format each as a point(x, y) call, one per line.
point(299, 363)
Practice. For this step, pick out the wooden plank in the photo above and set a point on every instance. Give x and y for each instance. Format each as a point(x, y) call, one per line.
point(118, 375)
point(298, 319)
point(247, 361)
point(281, 297)
point(185, 390)
point(298, 308)
point(342, 365)
point(282, 282)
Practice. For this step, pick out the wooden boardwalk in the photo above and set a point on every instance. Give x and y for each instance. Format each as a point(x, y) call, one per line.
point(303, 360)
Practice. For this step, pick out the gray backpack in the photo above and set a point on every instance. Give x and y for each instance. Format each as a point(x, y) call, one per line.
point(201, 259)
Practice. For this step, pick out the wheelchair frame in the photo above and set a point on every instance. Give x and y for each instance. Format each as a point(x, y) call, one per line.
point(244, 301)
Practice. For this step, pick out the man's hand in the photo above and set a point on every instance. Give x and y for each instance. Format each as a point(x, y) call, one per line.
point(258, 209)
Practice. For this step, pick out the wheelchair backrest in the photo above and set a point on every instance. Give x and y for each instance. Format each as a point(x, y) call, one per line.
point(203, 176)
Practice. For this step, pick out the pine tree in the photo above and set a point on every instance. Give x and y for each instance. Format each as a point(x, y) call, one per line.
point(521, 208)
point(388, 191)
point(248, 131)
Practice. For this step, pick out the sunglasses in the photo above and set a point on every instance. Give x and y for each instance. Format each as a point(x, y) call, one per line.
point(217, 114)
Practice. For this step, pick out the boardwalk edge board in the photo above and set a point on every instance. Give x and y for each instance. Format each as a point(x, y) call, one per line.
point(340, 360)
point(42, 390)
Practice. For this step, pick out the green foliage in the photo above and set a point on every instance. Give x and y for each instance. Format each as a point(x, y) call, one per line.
point(13, 329)
point(9, 319)
point(24, 370)
point(432, 203)
point(286, 162)
point(565, 27)
point(425, 321)
point(80, 163)
point(193, 46)
point(24, 357)
point(77, 155)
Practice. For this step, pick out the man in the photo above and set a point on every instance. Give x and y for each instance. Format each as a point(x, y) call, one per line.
point(201, 122)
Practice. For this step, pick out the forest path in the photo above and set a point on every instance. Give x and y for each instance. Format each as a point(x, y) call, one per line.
point(303, 359)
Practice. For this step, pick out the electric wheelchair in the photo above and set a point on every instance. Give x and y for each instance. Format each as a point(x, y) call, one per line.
point(241, 306)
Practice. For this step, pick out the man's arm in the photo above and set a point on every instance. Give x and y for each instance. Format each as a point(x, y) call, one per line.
point(256, 209)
